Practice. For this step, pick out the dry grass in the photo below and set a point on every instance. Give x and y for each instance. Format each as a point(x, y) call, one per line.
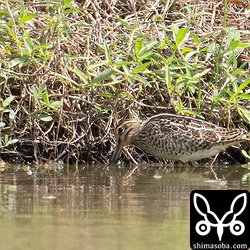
point(77, 68)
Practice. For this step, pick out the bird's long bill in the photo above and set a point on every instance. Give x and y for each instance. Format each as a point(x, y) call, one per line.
point(116, 154)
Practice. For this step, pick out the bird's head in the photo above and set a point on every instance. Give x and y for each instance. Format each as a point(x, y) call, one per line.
point(124, 136)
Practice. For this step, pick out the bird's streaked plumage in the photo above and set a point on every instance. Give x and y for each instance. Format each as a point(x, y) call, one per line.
point(176, 137)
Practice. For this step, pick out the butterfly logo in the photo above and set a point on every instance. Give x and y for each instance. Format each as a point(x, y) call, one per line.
point(203, 227)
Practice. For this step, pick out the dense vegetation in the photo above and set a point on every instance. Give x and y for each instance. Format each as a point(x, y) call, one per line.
point(70, 71)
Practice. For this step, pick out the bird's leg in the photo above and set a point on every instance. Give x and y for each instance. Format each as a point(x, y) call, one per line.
point(130, 156)
point(213, 161)
point(211, 166)
point(135, 167)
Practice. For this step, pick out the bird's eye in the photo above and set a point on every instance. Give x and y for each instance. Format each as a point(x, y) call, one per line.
point(121, 130)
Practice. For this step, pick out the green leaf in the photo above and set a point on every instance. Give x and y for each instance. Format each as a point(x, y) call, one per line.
point(81, 75)
point(42, 88)
point(148, 45)
point(97, 64)
point(244, 96)
point(107, 53)
point(141, 67)
point(182, 36)
point(241, 87)
point(102, 76)
point(7, 101)
point(160, 72)
point(66, 2)
point(6, 138)
point(46, 118)
point(168, 78)
point(126, 24)
point(145, 55)
point(12, 33)
point(13, 141)
point(2, 124)
point(142, 79)
point(55, 104)
point(244, 113)
point(65, 78)
point(126, 69)
point(45, 96)
point(26, 18)
point(210, 51)
point(243, 45)
point(43, 117)
point(138, 46)
point(145, 51)
point(233, 45)
point(25, 110)
point(193, 112)
point(202, 73)
point(17, 61)
point(28, 44)
point(195, 38)
point(35, 93)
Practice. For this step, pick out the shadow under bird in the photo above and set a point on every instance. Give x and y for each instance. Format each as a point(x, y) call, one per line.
point(176, 137)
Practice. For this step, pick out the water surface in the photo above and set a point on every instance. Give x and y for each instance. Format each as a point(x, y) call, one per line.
point(104, 207)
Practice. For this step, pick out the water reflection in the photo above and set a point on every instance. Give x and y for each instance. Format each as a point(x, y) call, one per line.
point(104, 207)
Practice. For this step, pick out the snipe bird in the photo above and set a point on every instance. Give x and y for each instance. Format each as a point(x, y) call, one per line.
point(176, 137)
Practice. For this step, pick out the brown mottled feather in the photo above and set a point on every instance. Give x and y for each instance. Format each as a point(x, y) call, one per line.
point(176, 137)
